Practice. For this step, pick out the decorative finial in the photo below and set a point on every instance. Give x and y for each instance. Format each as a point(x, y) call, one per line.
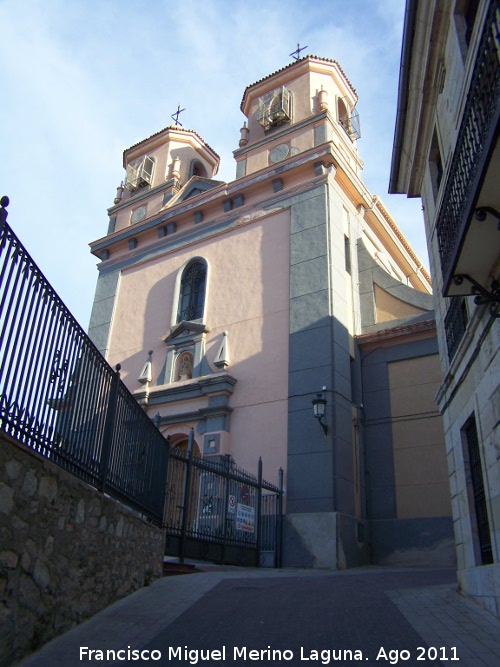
point(296, 54)
point(175, 116)
point(176, 168)
point(146, 375)
point(4, 202)
point(119, 193)
point(222, 356)
point(322, 98)
point(244, 135)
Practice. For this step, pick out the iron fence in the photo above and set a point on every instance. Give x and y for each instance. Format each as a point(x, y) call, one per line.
point(59, 396)
point(217, 511)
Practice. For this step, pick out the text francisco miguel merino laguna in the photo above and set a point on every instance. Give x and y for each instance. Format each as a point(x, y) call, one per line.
point(194, 656)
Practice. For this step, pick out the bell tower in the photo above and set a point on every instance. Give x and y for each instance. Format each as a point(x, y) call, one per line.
point(281, 107)
point(164, 163)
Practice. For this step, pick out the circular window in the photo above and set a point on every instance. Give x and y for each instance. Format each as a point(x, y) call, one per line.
point(138, 215)
point(279, 153)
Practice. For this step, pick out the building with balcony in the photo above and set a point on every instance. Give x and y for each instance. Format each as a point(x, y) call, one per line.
point(232, 306)
point(446, 152)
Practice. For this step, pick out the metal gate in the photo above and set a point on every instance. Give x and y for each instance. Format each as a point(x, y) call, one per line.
point(217, 512)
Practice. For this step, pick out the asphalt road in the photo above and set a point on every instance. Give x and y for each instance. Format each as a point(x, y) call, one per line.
point(372, 617)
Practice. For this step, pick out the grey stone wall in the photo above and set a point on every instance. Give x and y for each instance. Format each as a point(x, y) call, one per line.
point(66, 551)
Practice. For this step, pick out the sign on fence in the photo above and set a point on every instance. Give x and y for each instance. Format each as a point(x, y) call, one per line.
point(245, 518)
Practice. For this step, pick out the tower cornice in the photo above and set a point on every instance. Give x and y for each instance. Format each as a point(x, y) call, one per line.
point(175, 133)
point(308, 63)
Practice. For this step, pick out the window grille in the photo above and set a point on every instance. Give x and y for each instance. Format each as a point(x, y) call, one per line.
point(139, 173)
point(349, 119)
point(455, 324)
point(192, 292)
point(275, 108)
point(476, 473)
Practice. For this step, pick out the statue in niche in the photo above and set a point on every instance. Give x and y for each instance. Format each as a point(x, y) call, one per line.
point(185, 366)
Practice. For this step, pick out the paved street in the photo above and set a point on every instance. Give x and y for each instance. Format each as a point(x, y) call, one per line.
point(369, 616)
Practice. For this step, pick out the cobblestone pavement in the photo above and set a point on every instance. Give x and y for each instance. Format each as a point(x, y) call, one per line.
point(369, 616)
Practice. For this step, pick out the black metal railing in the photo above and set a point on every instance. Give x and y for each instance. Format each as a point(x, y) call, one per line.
point(59, 396)
point(476, 127)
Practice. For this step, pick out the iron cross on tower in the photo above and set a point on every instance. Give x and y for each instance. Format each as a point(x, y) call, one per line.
point(175, 116)
point(296, 54)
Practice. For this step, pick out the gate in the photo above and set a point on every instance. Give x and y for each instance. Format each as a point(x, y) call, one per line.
point(217, 512)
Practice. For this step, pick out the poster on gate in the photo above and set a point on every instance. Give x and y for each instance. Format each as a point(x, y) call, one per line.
point(245, 518)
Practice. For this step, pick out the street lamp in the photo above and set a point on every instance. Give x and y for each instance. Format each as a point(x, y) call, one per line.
point(319, 405)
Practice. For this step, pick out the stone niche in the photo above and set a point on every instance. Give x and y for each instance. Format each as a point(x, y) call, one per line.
point(66, 551)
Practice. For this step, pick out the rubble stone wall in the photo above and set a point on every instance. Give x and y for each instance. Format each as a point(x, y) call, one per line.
point(66, 551)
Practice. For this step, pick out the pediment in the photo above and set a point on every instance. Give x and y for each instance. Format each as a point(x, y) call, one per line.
point(195, 186)
point(185, 331)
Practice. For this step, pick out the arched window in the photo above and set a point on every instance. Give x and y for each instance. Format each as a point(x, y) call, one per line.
point(192, 291)
point(348, 118)
point(197, 169)
point(342, 113)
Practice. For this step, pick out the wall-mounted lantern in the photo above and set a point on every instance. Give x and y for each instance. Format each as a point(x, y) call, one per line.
point(319, 406)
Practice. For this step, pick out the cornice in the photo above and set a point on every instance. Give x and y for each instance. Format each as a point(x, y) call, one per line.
point(298, 64)
point(224, 190)
point(218, 383)
point(173, 129)
point(387, 217)
point(410, 329)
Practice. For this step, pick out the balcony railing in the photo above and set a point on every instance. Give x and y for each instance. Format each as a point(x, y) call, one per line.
point(475, 143)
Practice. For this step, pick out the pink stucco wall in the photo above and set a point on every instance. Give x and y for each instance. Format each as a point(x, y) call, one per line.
point(247, 296)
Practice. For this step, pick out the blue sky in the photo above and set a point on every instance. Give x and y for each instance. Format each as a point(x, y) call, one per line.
point(81, 80)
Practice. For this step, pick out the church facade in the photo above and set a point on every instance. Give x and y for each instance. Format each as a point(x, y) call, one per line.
point(232, 306)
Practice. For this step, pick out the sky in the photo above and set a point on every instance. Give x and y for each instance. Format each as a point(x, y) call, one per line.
point(81, 80)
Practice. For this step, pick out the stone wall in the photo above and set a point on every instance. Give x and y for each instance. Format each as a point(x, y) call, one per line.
point(66, 551)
